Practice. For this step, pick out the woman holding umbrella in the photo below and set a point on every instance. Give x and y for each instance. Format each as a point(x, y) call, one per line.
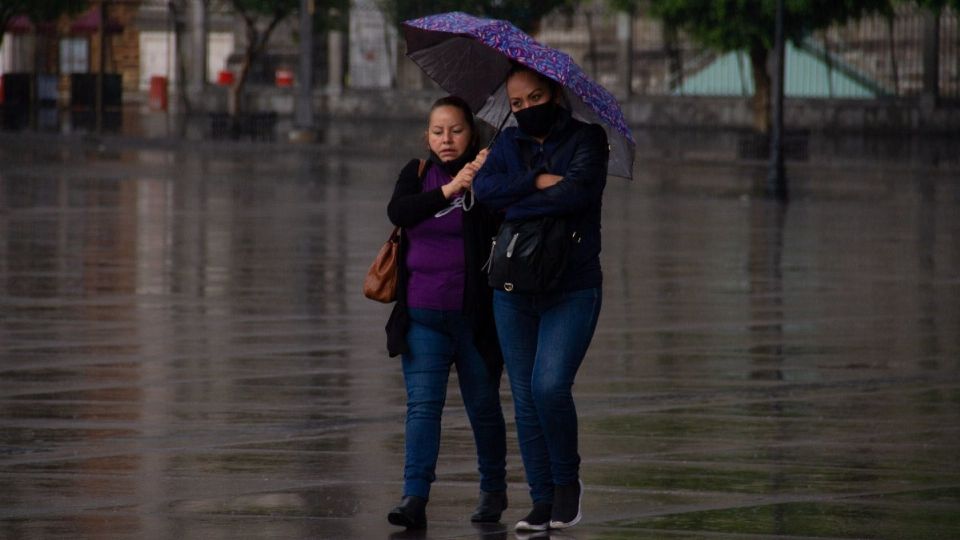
point(571, 134)
point(443, 314)
point(549, 165)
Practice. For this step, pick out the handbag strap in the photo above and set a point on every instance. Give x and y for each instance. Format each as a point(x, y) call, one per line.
point(398, 231)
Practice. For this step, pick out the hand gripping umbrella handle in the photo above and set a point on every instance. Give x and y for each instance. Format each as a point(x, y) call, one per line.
point(469, 194)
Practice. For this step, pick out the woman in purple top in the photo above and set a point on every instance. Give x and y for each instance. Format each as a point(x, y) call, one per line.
point(444, 313)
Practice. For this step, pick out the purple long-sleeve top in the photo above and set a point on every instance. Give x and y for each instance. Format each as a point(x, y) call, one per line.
point(435, 257)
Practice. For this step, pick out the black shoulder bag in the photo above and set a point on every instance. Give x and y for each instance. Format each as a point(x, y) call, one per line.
point(529, 255)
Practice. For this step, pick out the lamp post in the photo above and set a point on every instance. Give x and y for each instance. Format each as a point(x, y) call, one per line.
point(776, 187)
point(303, 113)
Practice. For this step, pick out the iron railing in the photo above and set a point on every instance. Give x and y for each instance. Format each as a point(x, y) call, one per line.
point(884, 54)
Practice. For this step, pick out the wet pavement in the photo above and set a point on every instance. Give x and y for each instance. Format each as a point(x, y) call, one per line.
point(185, 351)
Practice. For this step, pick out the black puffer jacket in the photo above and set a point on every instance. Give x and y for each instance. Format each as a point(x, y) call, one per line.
point(575, 150)
point(409, 206)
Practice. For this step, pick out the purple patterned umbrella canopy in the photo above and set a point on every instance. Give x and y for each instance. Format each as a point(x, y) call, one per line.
point(470, 56)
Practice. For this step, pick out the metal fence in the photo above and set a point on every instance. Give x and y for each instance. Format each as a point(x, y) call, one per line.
point(891, 51)
point(883, 55)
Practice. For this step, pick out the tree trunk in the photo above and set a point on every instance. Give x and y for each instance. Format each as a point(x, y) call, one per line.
point(761, 89)
point(931, 56)
point(674, 58)
point(625, 51)
point(234, 106)
point(828, 61)
point(892, 44)
point(591, 44)
point(256, 44)
point(179, 25)
point(236, 89)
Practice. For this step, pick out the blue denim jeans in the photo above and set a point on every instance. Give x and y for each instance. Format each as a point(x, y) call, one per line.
point(544, 339)
point(438, 339)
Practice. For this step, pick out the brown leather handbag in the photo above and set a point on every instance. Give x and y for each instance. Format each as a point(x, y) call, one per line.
point(384, 274)
point(382, 277)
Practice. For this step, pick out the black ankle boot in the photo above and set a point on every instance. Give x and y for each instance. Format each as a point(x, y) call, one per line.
point(490, 507)
point(410, 513)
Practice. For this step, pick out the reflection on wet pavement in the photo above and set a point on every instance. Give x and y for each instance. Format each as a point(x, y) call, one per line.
point(185, 352)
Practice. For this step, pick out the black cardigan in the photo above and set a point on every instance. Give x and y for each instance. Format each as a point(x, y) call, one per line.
point(409, 206)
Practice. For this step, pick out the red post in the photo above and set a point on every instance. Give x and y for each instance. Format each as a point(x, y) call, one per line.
point(225, 77)
point(283, 78)
point(158, 93)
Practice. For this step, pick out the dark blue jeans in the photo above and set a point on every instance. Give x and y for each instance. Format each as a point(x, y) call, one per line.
point(438, 339)
point(544, 339)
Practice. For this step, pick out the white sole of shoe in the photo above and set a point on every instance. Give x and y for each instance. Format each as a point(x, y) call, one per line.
point(524, 526)
point(574, 521)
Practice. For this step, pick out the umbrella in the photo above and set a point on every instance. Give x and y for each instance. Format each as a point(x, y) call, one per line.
point(471, 56)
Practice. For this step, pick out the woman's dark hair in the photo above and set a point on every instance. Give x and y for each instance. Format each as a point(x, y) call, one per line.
point(458, 102)
point(554, 86)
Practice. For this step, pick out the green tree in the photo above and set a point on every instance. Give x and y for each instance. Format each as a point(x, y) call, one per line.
point(937, 5)
point(525, 14)
point(629, 8)
point(260, 18)
point(731, 25)
point(331, 15)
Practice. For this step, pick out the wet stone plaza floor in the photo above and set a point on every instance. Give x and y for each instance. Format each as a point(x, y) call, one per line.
point(185, 352)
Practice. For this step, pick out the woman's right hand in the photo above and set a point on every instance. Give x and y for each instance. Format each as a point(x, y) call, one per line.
point(460, 182)
point(463, 180)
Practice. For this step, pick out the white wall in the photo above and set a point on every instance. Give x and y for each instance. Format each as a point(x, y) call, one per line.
point(219, 47)
point(158, 55)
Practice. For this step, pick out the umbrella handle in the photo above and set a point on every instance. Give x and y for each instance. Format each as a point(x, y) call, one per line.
point(499, 129)
point(469, 194)
point(473, 199)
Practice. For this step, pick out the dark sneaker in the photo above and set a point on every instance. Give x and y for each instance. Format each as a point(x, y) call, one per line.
point(490, 507)
point(566, 505)
point(537, 520)
point(410, 513)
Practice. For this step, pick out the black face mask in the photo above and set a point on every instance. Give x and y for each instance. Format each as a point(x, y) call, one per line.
point(537, 120)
